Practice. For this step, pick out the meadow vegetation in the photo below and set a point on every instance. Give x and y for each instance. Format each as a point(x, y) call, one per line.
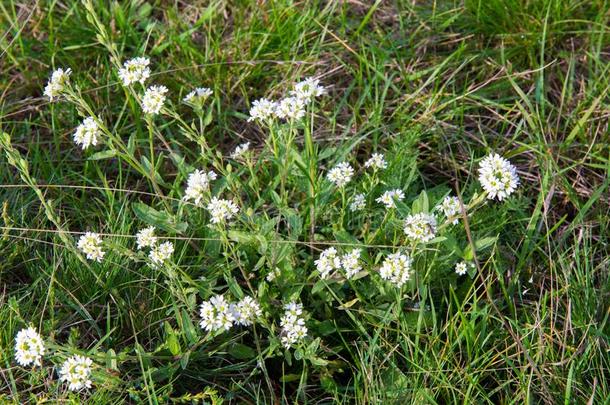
point(235, 201)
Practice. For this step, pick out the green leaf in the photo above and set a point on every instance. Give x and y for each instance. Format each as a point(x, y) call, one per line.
point(105, 154)
point(421, 204)
point(241, 352)
point(160, 219)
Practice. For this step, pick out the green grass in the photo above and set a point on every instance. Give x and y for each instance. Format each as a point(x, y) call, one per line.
point(433, 85)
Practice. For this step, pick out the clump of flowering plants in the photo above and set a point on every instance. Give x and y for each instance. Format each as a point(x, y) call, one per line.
point(271, 250)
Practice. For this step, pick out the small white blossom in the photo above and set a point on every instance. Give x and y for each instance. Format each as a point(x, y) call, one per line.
point(91, 244)
point(341, 174)
point(390, 197)
point(135, 70)
point(240, 150)
point(328, 261)
point(160, 254)
point(498, 177)
point(358, 203)
point(87, 133)
point(273, 274)
point(451, 208)
point(262, 110)
point(57, 83)
point(76, 371)
point(153, 99)
point(221, 210)
point(462, 267)
point(29, 347)
point(198, 185)
point(246, 311)
point(198, 96)
point(216, 314)
point(293, 325)
point(420, 227)
point(146, 237)
point(290, 108)
point(350, 262)
point(396, 268)
point(376, 162)
point(308, 89)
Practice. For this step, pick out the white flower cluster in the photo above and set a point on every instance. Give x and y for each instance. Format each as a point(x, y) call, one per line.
point(76, 371)
point(146, 237)
point(291, 108)
point(240, 150)
point(293, 324)
point(153, 100)
point(462, 267)
point(396, 268)
point(91, 245)
point(87, 133)
point(308, 89)
point(198, 185)
point(197, 97)
point(135, 70)
point(159, 253)
point(57, 83)
point(341, 174)
point(450, 208)
point(376, 162)
point(350, 262)
point(29, 347)
point(218, 314)
point(358, 203)
point(498, 177)
point(262, 110)
point(420, 227)
point(390, 197)
point(221, 210)
point(330, 260)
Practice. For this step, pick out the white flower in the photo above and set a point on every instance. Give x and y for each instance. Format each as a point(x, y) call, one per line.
point(198, 96)
point(273, 274)
point(390, 197)
point(135, 70)
point(308, 89)
point(216, 314)
point(462, 267)
point(221, 210)
point(76, 371)
point(146, 237)
point(420, 227)
point(87, 133)
point(451, 208)
point(240, 150)
point(29, 347)
point(262, 110)
point(376, 162)
point(358, 203)
point(198, 185)
point(396, 268)
point(153, 99)
point(246, 311)
point(327, 262)
point(91, 244)
point(57, 83)
point(350, 262)
point(341, 174)
point(498, 177)
point(290, 108)
point(293, 326)
point(160, 254)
